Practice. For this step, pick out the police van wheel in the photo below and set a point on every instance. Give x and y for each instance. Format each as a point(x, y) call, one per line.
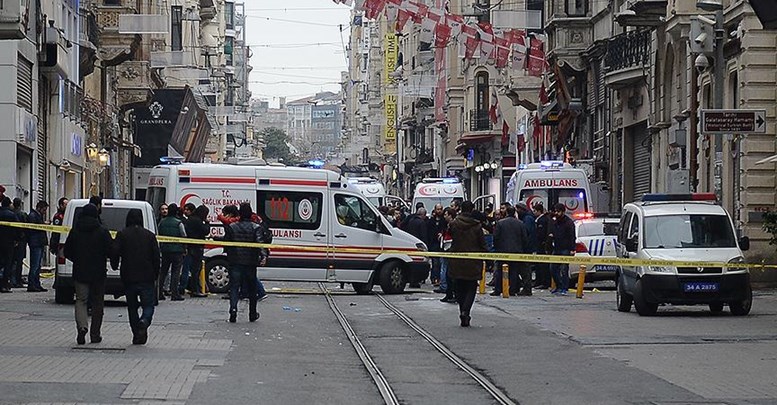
point(623, 299)
point(643, 307)
point(742, 308)
point(716, 307)
point(362, 288)
point(392, 279)
point(217, 275)
point(64, 295)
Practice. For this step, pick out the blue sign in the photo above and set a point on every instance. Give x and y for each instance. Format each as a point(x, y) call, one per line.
point(76, 145)
point(470, 154)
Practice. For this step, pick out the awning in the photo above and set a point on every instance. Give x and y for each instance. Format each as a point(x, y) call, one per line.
point(476, 138)
point(770, 159)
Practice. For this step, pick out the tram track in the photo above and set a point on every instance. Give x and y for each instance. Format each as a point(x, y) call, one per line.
point(384, 386)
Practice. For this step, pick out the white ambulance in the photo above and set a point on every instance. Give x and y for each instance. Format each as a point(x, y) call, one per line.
point(374, 191)
point(433, 191)
point(550, 183)
point(304, 207)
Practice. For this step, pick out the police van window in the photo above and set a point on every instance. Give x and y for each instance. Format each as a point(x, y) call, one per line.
point(112, 218)
point(354, 212)
point(634, 229)
point(290, 210)
point(688, 231)
point(624, 226)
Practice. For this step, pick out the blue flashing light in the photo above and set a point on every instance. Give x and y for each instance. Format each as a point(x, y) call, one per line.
point(449, 180)
point(317, 163)
point(522, 166)
point(679, 197)
point(551, 164)
point(581, 195)
point(171, 160)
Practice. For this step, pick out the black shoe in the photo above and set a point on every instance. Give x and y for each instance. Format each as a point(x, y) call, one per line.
point(253, 317)
point(5, 290)
point(176, 299)
point(198, 295)
point(41, 289)
point(162, 297)
point(81, 338)
point(142, 335)
point(232, 316)
point(525, 293)
point(464, 320)
point(495, 293)
point(96, 339)
point(439, 291)
point(449, 300)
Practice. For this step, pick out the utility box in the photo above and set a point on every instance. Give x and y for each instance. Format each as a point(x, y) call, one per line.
point(677, 181)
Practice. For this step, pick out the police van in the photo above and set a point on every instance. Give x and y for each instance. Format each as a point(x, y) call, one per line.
point(314, 208)
point(681, 227)
point(550, 183)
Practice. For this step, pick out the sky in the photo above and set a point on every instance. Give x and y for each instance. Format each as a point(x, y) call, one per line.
point(297, 47)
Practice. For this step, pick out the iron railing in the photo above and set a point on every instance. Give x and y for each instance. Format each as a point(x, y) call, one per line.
point(479, 121)
point(630, 49)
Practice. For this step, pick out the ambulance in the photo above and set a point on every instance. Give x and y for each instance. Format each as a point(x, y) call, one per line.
point(550, 183)
point(432, 191)
point(314, 208)
point(374, 191)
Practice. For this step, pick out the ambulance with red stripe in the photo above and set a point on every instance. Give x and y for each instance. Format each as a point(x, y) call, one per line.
point(549, 183)
point(314, 208)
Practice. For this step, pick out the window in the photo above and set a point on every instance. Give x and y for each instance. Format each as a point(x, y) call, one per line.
point(624, 224)
point(354, 212)
point(112, 2)
point(229, 46)
point(229, 15)
point(290, 210)
point(688, 231)
point(576, 8)
point(176, 28)
point(112, 218)
point(634, 229)
point(156, 196)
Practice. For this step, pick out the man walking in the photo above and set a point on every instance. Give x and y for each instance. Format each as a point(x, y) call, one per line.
point(244, 260)
point(436, 227)
point(563, 245)
point(88, 246)
point(37, 241)
point(510, 237)
point(9, 237)
point(196, 228)
point(467, 235)
point(136, 253)
point(172, 253)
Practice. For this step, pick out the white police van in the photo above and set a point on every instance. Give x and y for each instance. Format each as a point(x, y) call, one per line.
point(681, 227)
point(302, 207)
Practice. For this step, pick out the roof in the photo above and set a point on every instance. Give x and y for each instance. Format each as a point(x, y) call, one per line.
point(682, 207)
point(291, 172)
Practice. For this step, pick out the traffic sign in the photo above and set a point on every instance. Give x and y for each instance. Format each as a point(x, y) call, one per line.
point(733, 122)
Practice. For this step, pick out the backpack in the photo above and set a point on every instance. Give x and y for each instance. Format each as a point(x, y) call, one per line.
point(266, 232)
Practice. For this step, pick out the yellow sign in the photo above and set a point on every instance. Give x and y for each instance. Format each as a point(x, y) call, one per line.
point(392, 54)
point(390, 134)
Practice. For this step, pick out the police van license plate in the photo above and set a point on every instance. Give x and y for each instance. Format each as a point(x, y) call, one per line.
point(701, 287)
point(606, 268)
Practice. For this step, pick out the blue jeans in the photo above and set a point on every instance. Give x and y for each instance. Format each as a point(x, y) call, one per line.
point(139, 295)
point(436, 268)
point(560, 272)
point(185, 273)
point(238, 273)
point(36, 255)
point(444, 274)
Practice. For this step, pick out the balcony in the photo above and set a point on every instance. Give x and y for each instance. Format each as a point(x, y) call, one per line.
point(89, 41)
point(12, 20)
point(628, 59)
point(108, 16)
point(481, 130)
point(479, 121)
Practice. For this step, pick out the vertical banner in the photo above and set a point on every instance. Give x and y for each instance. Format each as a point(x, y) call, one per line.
point(391, 47)
point(440, 91)
point(390, 128)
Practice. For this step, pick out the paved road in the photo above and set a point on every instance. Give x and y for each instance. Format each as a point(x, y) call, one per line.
point(537, 350)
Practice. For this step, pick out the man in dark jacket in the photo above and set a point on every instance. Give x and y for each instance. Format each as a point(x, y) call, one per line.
point(172, 253)
point(137, 251)
point(20, 252)
point(467, 235)
point(196, 228)
point(436, 226)
point(244, 260)
point(510, 237)
point(542, 224)
point(37, 241)
point(9, 237)
point(416, 225)
point(88, 246)
point(57, 220)
point(563, 236)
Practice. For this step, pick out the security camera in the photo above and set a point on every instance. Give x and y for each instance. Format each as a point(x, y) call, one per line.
point(700, 38)
point(701, 63)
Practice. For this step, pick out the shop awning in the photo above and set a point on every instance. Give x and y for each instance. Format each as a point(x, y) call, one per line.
point(476, 138)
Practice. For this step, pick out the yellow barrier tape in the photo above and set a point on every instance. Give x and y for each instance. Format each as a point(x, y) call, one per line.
point(508, 257)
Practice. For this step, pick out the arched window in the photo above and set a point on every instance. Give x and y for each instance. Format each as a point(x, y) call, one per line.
point(482, 103)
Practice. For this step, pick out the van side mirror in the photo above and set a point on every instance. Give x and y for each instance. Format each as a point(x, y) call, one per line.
point(744, 243)
point(631, 245)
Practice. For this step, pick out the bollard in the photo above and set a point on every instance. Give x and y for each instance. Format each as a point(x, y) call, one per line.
point(580, 281)
point(203, 284)
point(505, 281)
point(482, 287)
point(552, 284)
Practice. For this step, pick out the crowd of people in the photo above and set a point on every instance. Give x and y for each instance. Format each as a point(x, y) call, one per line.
point(512, 229)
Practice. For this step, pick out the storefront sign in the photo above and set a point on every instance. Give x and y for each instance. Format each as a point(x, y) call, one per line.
point(390, 134)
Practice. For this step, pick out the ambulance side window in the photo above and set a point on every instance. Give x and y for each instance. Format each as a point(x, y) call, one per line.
point(290, 210)
point(354, 212)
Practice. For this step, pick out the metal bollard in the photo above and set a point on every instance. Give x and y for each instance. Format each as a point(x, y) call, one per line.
point(580, 281)
point(552, 284)
point(505, 281)
point(482, 287)
point(203, 284)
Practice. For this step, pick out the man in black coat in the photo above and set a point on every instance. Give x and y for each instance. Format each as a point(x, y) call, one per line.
point(137, 250)
point(9, 237)
point(564, 240)
point(196, 228)
point(436, 226)
point(510, 237)
point(243, 261)
point(417, 225)
point(88, 246)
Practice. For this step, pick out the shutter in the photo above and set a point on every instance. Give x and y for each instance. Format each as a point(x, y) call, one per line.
point(42, 145)
point(600, 87)
point(24, 84)
point(641, 161)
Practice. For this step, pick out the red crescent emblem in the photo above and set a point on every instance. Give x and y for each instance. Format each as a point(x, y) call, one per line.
point(186, 198)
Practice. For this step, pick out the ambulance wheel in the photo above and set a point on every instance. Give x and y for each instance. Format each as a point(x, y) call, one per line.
point(64, 295)
point(742, 308)
point(362, 288)
point(643, 307)
point(217, 275)
point(392, 278)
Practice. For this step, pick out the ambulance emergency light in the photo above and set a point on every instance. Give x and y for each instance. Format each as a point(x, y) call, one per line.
point(551, 164)
point(679, 197)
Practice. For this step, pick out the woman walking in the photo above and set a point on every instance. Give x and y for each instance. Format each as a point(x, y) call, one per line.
point(467, 236)
point(88, 246)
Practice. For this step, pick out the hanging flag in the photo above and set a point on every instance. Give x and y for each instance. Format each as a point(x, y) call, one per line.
point(537, 133)
point(420, 14)
point(518, 45)
point(427, 30)
point(440, 91)
point(502, 52)
point(505, 132)
point(544, 99)
point(486, 34)
point(512, 147)
point(392, 10)
point(536, 61)
point(442, 36)
point(493, 111)
point(454, 21)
